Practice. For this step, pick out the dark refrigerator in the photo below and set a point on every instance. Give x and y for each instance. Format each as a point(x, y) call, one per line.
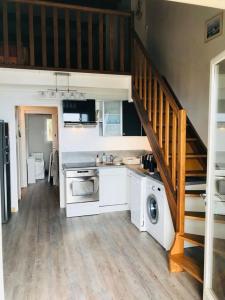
point(5, 195)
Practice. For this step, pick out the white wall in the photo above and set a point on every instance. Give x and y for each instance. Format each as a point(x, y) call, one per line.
point(177, 46)
point(140, 24)
point(21, 88)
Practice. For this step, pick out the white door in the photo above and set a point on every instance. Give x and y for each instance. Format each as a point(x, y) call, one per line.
point(214, 277)
point(54, 132)
point(135, 201)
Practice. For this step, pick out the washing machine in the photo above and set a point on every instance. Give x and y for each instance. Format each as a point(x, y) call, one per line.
point(158, 220)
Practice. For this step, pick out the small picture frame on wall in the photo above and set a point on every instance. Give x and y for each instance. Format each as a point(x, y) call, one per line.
point(214, 27)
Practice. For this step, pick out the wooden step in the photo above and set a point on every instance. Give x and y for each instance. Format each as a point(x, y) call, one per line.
point(188, 140)
point(195, 156)
point(194, 192)
point(189, 265)
point(200, 216)
point(196, 173)
point(194, 239)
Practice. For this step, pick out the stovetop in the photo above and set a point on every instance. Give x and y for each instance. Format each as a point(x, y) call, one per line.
point(79, 165)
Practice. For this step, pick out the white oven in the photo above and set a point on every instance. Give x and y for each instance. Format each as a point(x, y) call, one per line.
point(82, 186)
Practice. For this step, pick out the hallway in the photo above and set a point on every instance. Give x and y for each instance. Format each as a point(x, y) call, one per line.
point(47, 256)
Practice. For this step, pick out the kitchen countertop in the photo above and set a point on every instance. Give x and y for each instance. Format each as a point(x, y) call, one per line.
point(193, 183)
point(135, 168)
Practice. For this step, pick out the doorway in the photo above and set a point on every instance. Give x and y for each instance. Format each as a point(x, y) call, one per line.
point(214, 287)
point(37, 145)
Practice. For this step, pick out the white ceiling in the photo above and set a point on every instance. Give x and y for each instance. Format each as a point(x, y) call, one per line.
point(209, 3)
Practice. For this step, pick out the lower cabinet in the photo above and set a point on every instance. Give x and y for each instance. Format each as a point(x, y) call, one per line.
point(113, 186)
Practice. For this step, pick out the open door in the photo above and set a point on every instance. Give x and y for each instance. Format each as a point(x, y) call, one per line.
point(214, 281)
point(55, 132)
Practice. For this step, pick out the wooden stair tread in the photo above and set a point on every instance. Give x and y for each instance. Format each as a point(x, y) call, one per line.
point(194, 239)
point(197, 173)
point(193, 155)
point(196, 215)
point(188, 140)
point(195, 192)
point(189, 265)
point(199, 240)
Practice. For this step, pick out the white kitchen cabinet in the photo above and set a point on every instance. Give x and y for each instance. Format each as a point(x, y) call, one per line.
point(112, 186)
point(112, 118)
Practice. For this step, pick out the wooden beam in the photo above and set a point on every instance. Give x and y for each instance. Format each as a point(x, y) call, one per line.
point(31, 34)
point(155, 104)
point(56, 37)
point(18, 34)
point(174, 150)
point(74, 7)
point(90, 41)
point(67, 37)
point(122, 40)
point(111, 42)
point(167, 131)
point(5, 31)
point(149, 93)
point(161, 118)
point(79, 55)
point(145, 84)
point(181, 159)
point(43, 37)
point(101, 42)
point(140, 88)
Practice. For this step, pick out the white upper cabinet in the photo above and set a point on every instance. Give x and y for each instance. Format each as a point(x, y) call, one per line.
point(112, 118)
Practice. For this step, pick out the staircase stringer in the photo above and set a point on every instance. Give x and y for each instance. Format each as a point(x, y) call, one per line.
point(158, 155)
point(165, 126)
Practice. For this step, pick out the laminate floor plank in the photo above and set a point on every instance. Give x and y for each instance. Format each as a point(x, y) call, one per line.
point(103, 257)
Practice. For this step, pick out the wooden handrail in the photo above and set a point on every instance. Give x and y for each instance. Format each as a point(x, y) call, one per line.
point(74, 7)
point(164, 122)
point(164, 87)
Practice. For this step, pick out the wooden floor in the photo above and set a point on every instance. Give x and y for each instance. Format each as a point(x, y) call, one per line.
point(47, 256)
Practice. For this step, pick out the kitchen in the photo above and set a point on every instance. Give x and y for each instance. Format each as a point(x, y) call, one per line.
point(103, 182)
point(121, 184)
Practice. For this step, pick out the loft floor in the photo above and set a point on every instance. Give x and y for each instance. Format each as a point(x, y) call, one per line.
point(47, 256)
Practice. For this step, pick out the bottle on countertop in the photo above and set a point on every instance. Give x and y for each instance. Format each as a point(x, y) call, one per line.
point(97, 160)
point(103, 158)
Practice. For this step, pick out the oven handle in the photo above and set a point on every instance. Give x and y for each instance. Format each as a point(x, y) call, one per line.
point(84, 178)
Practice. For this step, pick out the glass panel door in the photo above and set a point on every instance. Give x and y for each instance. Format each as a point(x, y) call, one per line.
point(214, 286)
point(112, 123)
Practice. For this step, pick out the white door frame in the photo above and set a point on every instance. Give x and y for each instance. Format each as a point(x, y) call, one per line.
point(213, 98)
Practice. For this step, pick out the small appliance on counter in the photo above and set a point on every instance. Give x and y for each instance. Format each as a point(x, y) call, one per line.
point(131, 160)
point(149, 163)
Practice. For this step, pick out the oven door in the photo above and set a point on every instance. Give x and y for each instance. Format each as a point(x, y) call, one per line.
point(82, 189)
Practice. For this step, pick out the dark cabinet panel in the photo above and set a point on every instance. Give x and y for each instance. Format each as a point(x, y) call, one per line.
point(131, 123)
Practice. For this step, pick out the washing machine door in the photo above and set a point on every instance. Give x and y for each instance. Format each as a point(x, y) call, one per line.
point(152, 209)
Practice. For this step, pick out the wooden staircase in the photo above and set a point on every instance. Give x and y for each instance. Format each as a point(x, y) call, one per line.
point(180, 153)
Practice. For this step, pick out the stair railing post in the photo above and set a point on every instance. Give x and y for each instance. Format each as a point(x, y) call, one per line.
point(181, 172)
point(178, 246)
